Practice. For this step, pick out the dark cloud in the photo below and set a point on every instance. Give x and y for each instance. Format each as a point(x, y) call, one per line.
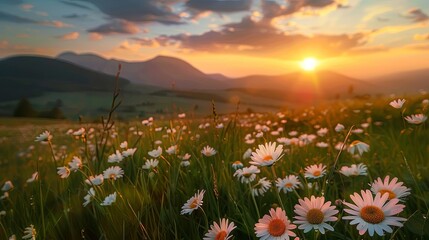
point(417, 15)
point(77, 5)
point(138, 10)
point(221, 6)
point(6, 17)
point(116, 26)
point(75, 16)
point(261, 39)
point(271, 9)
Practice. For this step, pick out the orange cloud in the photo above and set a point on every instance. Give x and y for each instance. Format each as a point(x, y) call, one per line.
point(56, 24)
point(26, 7)
point(70, 36)
point(95, 36)
point(420, 37)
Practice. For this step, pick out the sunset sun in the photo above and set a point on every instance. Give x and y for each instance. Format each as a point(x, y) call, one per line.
point(309, 64)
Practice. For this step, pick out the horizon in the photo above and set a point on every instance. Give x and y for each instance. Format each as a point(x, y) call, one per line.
point(235, 38)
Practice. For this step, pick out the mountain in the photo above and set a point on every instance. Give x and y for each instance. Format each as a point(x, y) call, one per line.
point(161, 71)
point(404, 82)
point(29, 76)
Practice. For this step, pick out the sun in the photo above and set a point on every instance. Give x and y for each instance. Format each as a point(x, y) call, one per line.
point(309, 64)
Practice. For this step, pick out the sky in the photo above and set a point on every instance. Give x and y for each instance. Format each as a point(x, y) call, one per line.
point(359, 38)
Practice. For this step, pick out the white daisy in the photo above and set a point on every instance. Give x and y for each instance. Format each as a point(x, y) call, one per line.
point(115, 157)
point(267, 155)
point(109, 200)
point(208, 151)
point(64, 172)
point(394, 188)
point(156, 152)
point(397, 103)
point(8, 185)
point(30, 233)
point(416, 118)
point(129, 152)
point(247, 174)
point(354, 170)
point(113, 173)
point(150, 164)
point(315, 171)
point(358, 147)
point(261, 187)
point(193, 203)
point(75, 164)
point(44, 137)
point(88, 198)
point(288, 184)
point(97, 180)
point(220, 231)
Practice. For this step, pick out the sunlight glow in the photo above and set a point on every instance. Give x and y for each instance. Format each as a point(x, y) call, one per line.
point(309, 64)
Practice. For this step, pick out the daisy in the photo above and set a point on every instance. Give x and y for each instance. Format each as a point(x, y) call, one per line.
point(150, 164)
point(208, 151)
point(30, 233)
point(358, 147)
point(339, 127)
point(44, 137)
point(313, 213)
point(393, 188)
point(261, 187)
point(115, 157)
point(33, 178)
point(416, 118)
point(75, 164)
point(8, 185)
point(193, 203)
point(374, 214)
point(322, 132)
point(88, 198)
point(354, 170)
point(129, 152)
point(97, 180)
point(315, 171)
point(113, 173)
point(124, 145)
point(275, 226)
point(267, 155)
point(185, 163)
point(80, 132)
point(221, 231)
point(172, 150)
point(186, 157)
point(288, 184)
point(397, 103)
point(64, 172)
point(247, 174)
point(109, 200)
point(247, 154)
point(322, 145)
point(156, 152)
point(237, 165)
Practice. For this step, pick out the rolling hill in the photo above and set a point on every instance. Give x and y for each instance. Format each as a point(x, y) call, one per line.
point(405, 82)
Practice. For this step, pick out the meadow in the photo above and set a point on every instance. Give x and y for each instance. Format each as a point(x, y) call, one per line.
point(175, 178)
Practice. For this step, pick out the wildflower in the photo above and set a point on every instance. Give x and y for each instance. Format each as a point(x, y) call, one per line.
point(44, 137)
point(354, 170)
point(187, 156)
point(172, 150)
point(322, 132)
point(8, 185)
point(115, 157)
point(416, 118)
point(340, 146)
point(88, 198)
point(64, 172)
point(247, 154)
point(181, 115)
point(322, 145)
point(156, 152)
point(109, 200)
point(97, 180)
point(313, 213)
point(261, 187)
point(113, 173)
point(237, 165)
point(124, 145)
point(208, 151)
point(13, 237)
point(397, 103)
point(33, 178)
point(150, 164)
point(221, 231)
point(339, 127)
point(79, 132)
point(374, 214)
point(185, 163)
point(288, 184)
point(267, 155)
point(75, 164)
point(247, 174)
point(193, 203)
point(220, 126)
point(393, 188)
point(274, 226)
point(315, 171)
point(359, 147)
point(129, 152)
point(30, 232)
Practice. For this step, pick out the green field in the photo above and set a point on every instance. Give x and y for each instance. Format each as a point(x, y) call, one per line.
point(149, 201)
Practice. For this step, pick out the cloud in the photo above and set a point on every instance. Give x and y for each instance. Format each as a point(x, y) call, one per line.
point(55, 24)
point(367, 50)
point(75, 16)
point(272, 9)
point(6, 17)
point(417, 15)
point(69, 36)
point(95, 36)
point(26, 7)
point(221, 6)
point(420, 37)
point(418, 46)
point(261, 39)
point(130, 46)
point(77, 5)
point(116, 26)
point(139, 10)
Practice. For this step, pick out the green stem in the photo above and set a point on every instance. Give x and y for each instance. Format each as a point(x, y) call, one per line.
point(254, 201)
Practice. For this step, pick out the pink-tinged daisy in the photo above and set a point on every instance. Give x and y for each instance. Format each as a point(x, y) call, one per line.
point(247, 174)
point(315, 171)
point(44, 137)
point(358, 147)
point(75, 164)
point(288, 184)
point(354, 170)
point(394, 188)
point(95, 180)
point(313, 213)
point(193, 203)
point(33, 178)
point(339, 127)
point(397, 103)
point(416, 118)
point(275, 226)
point(208, 151)
point(109, 200)
point(267, 155)
point(261, 187)
point(113, 173)
point(115, 157)
point(220, 231)
point(64, 172)
point(237, 165)
point(374, 214)
point(150, 164)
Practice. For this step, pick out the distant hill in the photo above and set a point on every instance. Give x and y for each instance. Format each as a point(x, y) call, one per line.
point(161, 71)
point(29, 76)
point(404, 82)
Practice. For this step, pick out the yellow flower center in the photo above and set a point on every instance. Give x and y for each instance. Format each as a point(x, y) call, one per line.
point(193, 204)
point(112, 176)
point(392, 195)
point(276, 227)
point(220, 235)
point(267, 158)
point(372, 214)
point(316, 173)
point(237, 162)
point(288, 185)
point(315, 216)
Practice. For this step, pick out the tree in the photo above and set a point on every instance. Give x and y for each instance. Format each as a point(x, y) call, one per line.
point(24, 109)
